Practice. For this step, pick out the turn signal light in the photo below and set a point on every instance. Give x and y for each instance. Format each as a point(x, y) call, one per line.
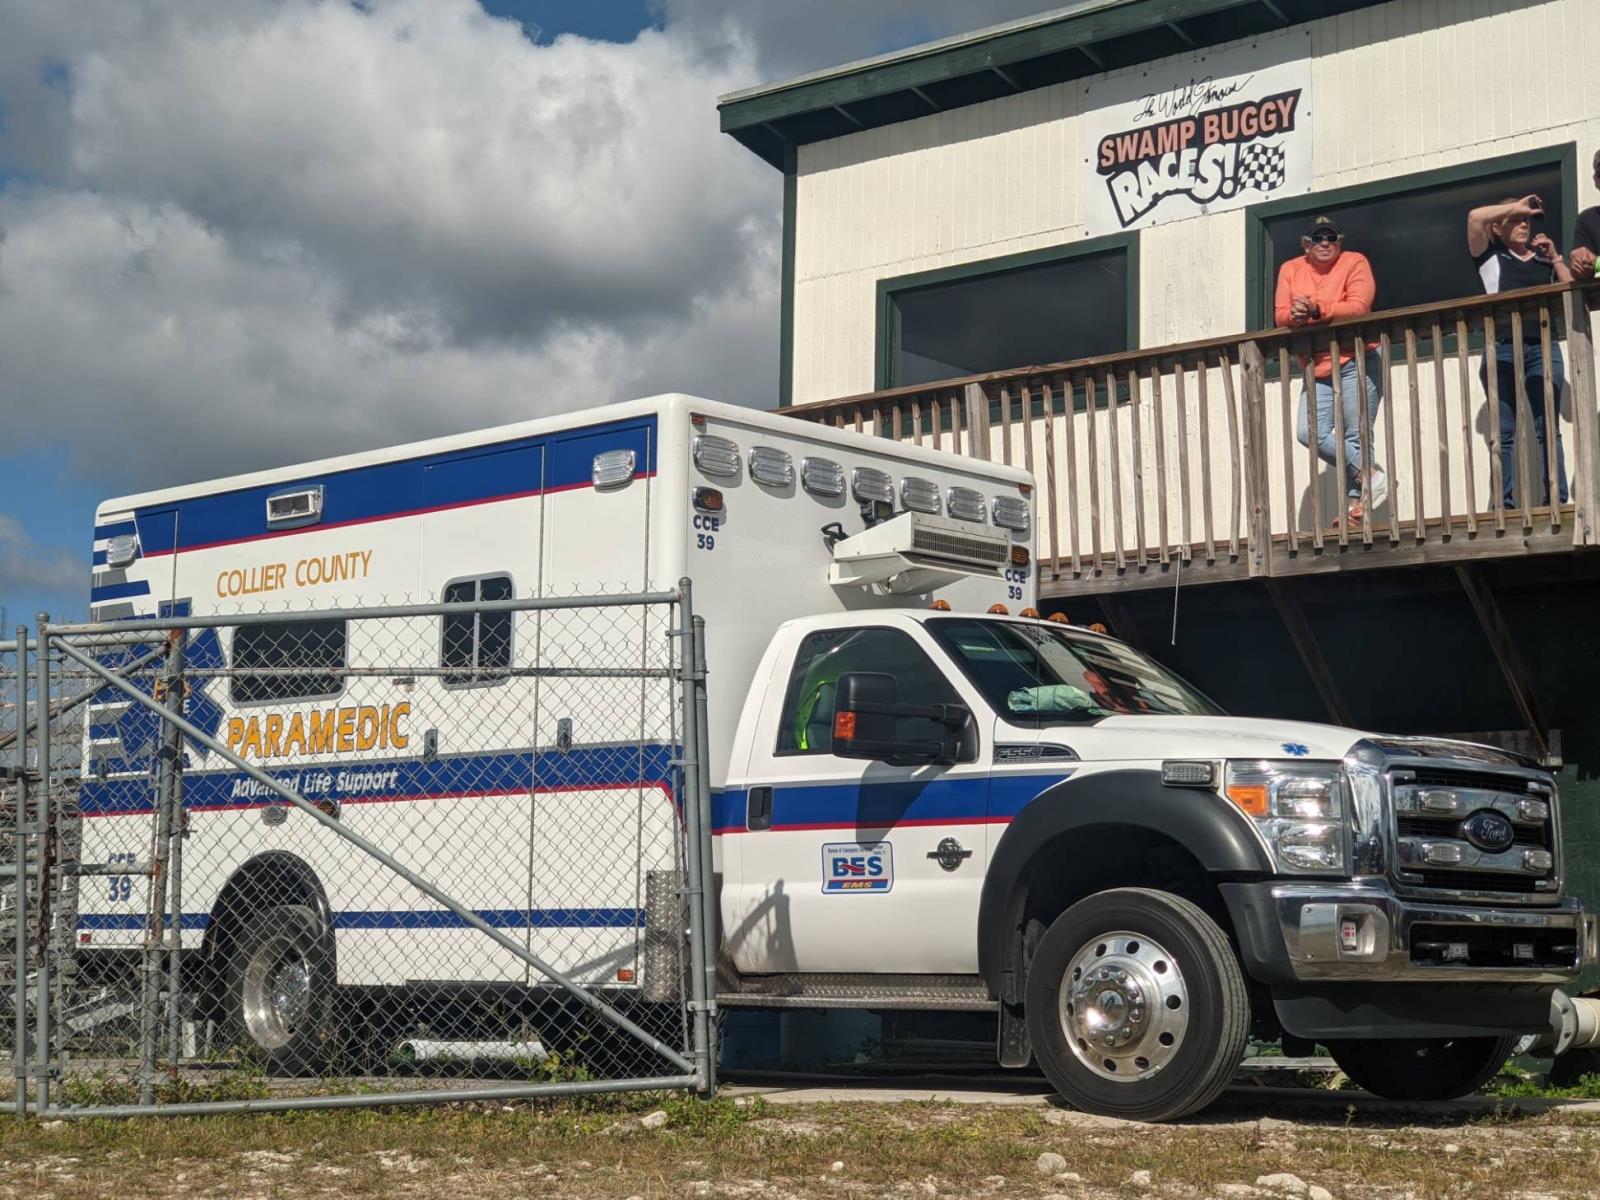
point(844, 726)
point(940, 606)
point(999, 610)
point(1020, 556)
point(1029, 612)
point(708, 499)
point(1249, 798)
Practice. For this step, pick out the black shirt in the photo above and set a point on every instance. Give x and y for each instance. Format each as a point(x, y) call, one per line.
point(1587, 232)
point(1503, 271)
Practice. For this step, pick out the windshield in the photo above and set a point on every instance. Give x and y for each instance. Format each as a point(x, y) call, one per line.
point(1036, 674)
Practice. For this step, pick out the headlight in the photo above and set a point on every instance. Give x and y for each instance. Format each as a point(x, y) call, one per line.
point(1300, 809)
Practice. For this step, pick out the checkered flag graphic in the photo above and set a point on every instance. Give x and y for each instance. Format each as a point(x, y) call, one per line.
point(1261, 167)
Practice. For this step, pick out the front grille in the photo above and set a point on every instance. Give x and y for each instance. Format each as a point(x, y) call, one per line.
point(1511, 866)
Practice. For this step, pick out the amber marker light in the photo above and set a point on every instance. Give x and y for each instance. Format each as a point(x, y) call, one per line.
point(844, 726)
point(1249, 798)
point(1060, 618)
point(1020, 556)
point(1029, 612)
point(940, 606)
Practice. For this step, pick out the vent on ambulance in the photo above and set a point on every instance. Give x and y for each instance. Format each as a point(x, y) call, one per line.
point(917, 553)
point(298, 506)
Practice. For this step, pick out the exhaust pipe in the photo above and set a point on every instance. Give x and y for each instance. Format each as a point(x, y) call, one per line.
point(1574, 1025)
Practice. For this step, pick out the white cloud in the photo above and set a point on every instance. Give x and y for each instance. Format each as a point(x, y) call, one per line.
point(26, 566)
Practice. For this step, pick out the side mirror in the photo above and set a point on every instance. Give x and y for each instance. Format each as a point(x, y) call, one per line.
point(867, 716)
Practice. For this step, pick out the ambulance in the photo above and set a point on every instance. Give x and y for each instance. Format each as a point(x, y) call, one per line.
point(926, 796)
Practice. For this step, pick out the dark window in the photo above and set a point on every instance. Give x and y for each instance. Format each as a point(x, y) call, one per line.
point(807, 723)
point(295, 662)
point(989, 317)
point(1415, 233)
point(477, 643)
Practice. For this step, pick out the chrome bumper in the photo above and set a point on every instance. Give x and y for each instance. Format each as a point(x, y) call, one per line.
point(1363, 931)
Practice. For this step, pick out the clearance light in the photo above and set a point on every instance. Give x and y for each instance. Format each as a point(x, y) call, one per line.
point(1025, 488)
point(1097, 627)
point(1020, 556)
point(708, 499)
point(624, 974)
point(999, 610)
point(1029, 612)
point(1060, 618)
point(844, 726)
point(940, 606)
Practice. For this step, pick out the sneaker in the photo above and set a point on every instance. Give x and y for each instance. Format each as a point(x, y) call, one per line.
point(1380, 487)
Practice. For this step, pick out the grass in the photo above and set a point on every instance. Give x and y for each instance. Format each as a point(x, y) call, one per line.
point(599, 1150)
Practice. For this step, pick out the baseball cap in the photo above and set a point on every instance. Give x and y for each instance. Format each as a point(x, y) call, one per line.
point(1323, 222)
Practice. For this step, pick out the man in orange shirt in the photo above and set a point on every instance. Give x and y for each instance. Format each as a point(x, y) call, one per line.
point(1327, 283)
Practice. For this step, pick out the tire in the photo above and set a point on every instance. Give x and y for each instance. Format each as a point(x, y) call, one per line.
point(280, 991)
point(1163, 974)
point(1421, 1068)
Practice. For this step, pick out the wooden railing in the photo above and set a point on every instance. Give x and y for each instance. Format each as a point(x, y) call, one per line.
point(1188, 454)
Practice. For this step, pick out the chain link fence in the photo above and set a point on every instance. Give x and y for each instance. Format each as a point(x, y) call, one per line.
point(371, 855)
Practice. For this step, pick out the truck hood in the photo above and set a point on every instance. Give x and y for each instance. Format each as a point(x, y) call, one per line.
point(1146, 737)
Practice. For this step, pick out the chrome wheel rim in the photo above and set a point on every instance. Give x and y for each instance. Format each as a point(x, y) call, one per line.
point(276, 992)
point(1124, 1006)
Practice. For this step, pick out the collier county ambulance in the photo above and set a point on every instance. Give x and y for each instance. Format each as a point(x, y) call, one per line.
point(925, 797)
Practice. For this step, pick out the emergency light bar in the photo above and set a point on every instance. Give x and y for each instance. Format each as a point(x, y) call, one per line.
point(917, 553)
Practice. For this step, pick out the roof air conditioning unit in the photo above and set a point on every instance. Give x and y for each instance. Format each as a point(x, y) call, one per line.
point(917, 553)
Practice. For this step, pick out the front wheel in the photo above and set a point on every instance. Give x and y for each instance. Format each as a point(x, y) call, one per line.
point(1136, 1006)
point(1421, 1068)
point(281, 991)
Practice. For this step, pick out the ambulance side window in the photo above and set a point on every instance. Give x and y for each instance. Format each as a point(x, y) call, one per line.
point(806, 726)
point(477, 645)
point(299, 661)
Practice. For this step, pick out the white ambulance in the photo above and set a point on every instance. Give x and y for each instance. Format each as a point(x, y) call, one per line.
point(925, 797)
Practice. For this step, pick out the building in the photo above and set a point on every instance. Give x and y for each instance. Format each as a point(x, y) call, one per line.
point(1055, 242)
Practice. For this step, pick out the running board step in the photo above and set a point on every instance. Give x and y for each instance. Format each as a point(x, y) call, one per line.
point(960, 993)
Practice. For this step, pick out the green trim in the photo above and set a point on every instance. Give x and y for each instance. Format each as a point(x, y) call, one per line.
point(1258, 245)
point(999, 61)
point(887, 331)
point(791, 188)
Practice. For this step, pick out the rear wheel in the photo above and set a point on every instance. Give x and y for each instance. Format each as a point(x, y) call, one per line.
point(281, 991)
point(1421, 1068)
point(1136, 1006)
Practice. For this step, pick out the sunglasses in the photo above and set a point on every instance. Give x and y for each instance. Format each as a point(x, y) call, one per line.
point(1324, 239)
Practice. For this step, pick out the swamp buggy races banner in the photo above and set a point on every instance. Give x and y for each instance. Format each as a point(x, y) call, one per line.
point(1196, 135)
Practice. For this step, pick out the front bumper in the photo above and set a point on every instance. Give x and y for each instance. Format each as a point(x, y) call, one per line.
point(1310, 932)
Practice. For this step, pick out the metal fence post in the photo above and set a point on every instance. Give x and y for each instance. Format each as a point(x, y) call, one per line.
point(168, 768)
point(20, 912)
point(708, 879)
point(694, 876)
point(41, 651)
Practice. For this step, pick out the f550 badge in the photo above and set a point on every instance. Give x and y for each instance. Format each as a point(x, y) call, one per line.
point(857, 867)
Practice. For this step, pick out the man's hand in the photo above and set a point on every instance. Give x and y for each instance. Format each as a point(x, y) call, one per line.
point(1301, 310)
point(1582, 261)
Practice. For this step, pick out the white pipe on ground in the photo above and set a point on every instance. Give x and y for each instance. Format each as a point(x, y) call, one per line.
point(432, 1049)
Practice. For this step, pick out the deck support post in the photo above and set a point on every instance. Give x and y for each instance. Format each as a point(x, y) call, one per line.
point(1515, 671)
point(1585, 460)
point(1253, 386)
point(977, 420)
point(1305, 642)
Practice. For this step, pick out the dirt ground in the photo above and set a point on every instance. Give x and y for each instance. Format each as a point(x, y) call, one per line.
point(753, 1149)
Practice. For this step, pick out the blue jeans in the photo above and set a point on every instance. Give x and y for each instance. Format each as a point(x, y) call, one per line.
point(1505, 367)
point(1327, 439)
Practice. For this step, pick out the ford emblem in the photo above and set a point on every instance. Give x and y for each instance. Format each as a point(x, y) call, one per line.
point(1488, 831)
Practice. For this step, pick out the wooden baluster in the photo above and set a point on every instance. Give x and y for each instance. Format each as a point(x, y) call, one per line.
point(956, 423)
point(1491, 387)
point(1052, 506)
point(1308, 380)
point(1160, 403)
point(1467, 402)
point(1519, 441)
point(1341, 467)
point(1232, 399)
point(1358, 347)
point(1138, 469)
point(1184, 500)
point(1069, 416)
point(1027, 428)
point(1386, 403)
point(1552, 430)
point(1443, 419)
point(1253, 387)
point(1116, 470)
point(895, 411)
point(1005, 424)
point(856, 413)
point(1291, 510)
point(1581, 390)
point(1419, 520)
point(1202, 378)
point(916, 420)
point(1092, 421)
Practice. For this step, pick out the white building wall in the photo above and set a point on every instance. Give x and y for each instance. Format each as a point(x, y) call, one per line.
point(1398, 88)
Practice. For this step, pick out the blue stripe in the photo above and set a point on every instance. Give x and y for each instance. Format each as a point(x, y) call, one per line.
point(649, 765)
point(471, 475)
point(98, 559)
point(119, 591)
point(500, 918)
point(115, 529)
point(959, 799)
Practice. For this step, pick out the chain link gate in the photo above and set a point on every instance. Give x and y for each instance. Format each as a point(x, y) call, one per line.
point(364, 856)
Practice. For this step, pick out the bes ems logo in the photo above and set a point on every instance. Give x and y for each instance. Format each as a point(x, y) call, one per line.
point(857, 867)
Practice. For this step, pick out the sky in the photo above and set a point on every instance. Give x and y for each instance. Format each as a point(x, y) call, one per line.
point(242, 233)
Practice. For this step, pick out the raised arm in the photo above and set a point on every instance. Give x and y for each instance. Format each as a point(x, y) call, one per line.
point(1481, 221)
